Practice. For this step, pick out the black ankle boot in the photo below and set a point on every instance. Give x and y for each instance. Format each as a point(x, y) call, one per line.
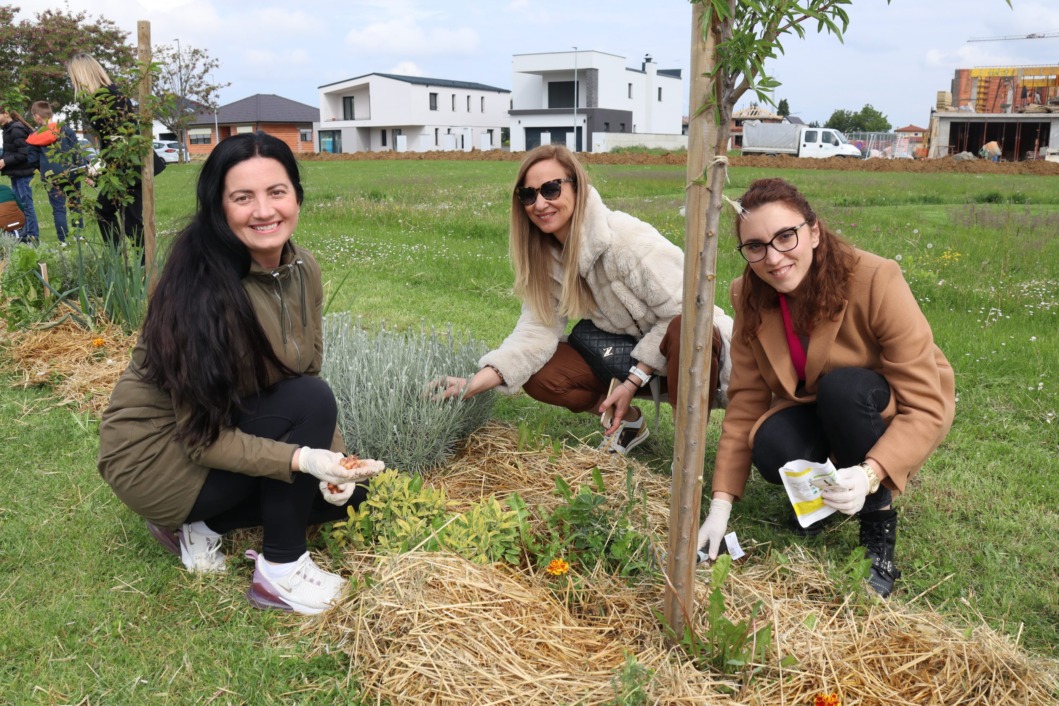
point(878, 535)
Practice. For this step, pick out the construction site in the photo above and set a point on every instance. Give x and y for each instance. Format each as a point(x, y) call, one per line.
point(1004, 113)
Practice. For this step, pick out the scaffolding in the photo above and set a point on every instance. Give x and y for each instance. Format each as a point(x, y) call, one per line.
point(1009, 89)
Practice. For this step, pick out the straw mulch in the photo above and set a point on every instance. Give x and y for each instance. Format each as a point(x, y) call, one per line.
point(434, 629)
point(80, 366)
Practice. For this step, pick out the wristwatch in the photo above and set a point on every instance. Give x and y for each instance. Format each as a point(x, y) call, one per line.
point(873, 478)
point(643, 377)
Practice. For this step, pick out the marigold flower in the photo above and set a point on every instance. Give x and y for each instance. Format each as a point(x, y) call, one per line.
point(98, 343)
point(826, 700)
point(557, 567)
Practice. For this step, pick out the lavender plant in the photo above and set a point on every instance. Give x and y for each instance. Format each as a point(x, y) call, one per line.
point(382, 378)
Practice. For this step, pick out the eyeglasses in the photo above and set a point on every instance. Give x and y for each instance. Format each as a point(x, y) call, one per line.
point(550, 190)
point(784, 241)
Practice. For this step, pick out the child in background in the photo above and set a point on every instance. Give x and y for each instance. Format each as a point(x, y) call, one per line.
point(55, 152)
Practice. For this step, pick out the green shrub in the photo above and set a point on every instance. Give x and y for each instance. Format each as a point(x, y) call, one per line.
point(589, 529)
point(381, 379)
point(401, 513)
point(398, 515)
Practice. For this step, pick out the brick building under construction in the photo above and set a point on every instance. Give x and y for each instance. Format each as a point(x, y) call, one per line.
point(1015, 106)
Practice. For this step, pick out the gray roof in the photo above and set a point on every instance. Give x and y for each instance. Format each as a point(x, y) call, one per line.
point(423, 81)
point(261, 108)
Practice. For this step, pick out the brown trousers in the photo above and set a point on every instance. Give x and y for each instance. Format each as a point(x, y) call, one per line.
point(567, 381)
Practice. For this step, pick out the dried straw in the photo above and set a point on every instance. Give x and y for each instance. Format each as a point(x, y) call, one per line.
point(435, 629)
point(65, 359)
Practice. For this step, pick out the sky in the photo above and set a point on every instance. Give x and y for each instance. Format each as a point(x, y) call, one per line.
point(895, 57)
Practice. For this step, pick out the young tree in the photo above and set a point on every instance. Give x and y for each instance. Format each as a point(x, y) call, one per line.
point(184, 86)
point(783, 109)
point(35, 51)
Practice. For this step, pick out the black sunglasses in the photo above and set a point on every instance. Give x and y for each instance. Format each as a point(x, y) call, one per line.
point(550, 190)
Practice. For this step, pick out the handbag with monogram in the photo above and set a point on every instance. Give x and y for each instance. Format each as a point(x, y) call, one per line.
point(608, 354)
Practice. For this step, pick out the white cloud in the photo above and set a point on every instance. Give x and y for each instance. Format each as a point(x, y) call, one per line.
point(406, 68)
point(403, 36)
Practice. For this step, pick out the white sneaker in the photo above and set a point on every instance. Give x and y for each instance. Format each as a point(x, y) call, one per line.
point(627, 437)
point(307, 589)
point(200, 553)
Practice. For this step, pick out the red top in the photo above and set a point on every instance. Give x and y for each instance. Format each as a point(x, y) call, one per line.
point(795, 344)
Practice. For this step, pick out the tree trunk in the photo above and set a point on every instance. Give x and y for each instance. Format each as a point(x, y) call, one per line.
point(690, 407)
point(143, 33)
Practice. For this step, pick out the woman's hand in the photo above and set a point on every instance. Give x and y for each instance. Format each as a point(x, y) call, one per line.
point(715, 526)
point(448, 386)
point(324, 464)
point(848, 494)
point(617, 405)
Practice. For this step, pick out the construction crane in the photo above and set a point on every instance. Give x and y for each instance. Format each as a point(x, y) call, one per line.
point(1006, 37)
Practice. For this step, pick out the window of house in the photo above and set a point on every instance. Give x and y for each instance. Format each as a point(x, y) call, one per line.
point(454, 102)
point(468, 104)
point(630, 90)
point(606, 126)
point(331, 141)
point(382, 133)
point(348, 113)
point(437, 135)
point(200, 136)
point(561, 94)
point(659, 93)
point(622, 127)
point(483, 104)
point(305, 134)
point(433, 101)
point(243, 129)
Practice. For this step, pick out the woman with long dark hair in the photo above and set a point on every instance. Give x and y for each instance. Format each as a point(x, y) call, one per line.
point(221, 420)
point(832, 359)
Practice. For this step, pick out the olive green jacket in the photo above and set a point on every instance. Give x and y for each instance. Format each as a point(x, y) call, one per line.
point(158, 477)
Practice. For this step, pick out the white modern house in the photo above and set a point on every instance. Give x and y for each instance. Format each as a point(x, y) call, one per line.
point(377, 112)
point(593, 95)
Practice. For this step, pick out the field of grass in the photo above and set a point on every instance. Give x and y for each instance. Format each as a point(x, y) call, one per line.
point(95, 612)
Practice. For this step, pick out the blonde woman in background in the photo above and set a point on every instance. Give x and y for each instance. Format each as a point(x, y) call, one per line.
point(113, 118)
point(574, 258)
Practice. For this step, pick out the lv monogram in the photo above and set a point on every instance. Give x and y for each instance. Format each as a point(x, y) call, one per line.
point(608, 351)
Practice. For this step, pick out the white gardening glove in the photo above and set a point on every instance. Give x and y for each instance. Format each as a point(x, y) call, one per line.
point(715, 526)
point(324, 465)
point(337, 494)
point(847, 495)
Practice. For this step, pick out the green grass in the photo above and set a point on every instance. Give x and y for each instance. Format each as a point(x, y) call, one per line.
point(94, 611)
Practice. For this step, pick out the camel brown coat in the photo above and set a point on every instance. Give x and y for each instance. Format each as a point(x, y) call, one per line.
point(882, 329)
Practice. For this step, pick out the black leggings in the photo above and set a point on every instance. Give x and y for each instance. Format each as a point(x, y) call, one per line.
point(301, 411)
point(843, 424)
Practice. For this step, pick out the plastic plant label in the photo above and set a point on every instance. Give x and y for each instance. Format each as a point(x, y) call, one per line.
point(734, 549)
point(798, 477)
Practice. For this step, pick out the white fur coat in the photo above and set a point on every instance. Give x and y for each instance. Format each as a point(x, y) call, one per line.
point(636, 278)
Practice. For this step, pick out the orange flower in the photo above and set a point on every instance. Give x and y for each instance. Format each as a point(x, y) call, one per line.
point(557, 567)
point(826, 700)
point(98, 343)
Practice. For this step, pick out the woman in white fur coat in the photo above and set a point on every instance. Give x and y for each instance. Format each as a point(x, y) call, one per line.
point(574, 258)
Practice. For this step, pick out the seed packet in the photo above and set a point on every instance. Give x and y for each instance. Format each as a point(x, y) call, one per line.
point(798, 477)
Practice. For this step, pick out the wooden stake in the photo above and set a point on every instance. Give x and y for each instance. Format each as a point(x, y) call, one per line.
point(700, 266)
point(144, 54)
